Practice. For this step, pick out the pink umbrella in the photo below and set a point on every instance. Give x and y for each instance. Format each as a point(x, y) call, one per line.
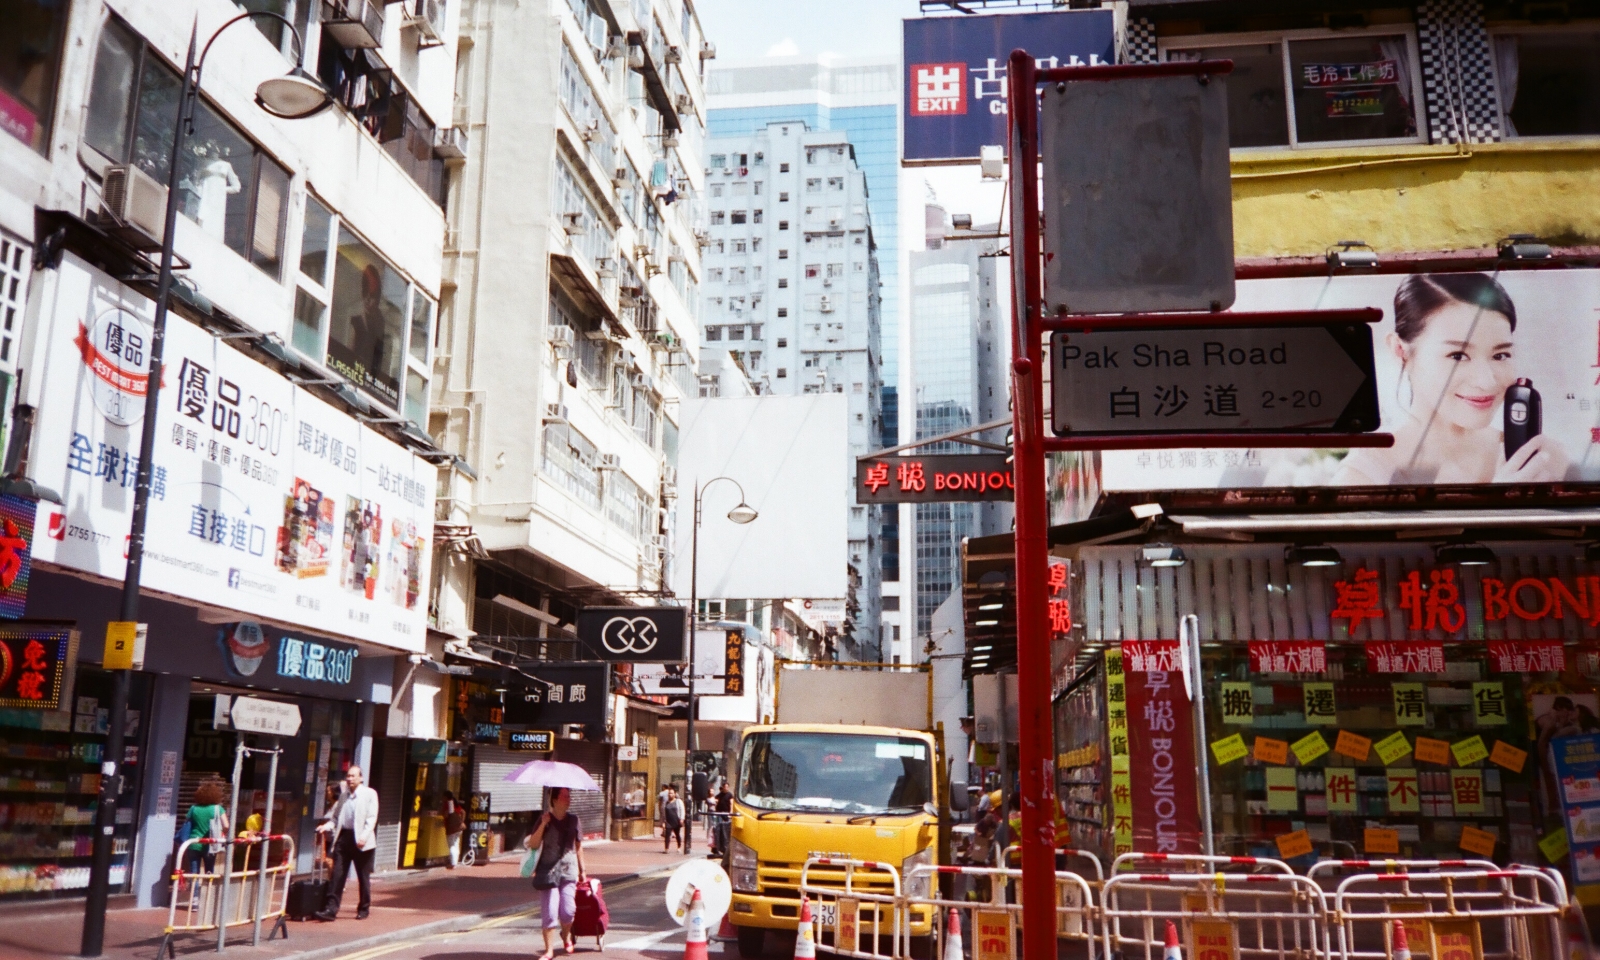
point(552, 773)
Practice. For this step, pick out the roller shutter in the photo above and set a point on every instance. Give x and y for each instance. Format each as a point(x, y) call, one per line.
point(490, 767)
point(589, 805)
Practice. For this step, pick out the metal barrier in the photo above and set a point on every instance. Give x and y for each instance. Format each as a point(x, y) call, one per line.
point(228, 896)
point(1508, 913)
point(995, 924)
point(1264, 916)
point(1256, 865)
point(837, 908)
point(1068, 854)
point(1321, 867)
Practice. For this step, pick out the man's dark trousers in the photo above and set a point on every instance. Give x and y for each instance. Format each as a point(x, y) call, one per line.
point(345, 853)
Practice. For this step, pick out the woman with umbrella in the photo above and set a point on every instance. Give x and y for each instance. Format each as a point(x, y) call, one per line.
point(558, 838)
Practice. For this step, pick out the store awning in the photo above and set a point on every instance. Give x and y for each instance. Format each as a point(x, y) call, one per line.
point(1442, 522)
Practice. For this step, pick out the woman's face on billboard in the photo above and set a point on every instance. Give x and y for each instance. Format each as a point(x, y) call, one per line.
point(1463, 361)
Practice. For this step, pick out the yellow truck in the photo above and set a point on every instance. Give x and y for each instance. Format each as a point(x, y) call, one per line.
point(850, 767)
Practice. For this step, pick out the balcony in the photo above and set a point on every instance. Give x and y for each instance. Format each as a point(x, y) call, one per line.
point(354, 24)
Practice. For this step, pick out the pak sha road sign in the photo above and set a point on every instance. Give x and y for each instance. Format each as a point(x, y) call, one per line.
point(632, 634)
point(1222, 379)
point(254, 715)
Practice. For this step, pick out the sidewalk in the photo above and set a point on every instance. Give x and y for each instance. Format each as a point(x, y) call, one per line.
point(405, 903)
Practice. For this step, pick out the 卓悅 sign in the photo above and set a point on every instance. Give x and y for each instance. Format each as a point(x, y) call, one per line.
point(263, 498)
point(36, 661)
point(538, 741)
point(935, 478)
point(1221, 379)
point(632, 634)
point(955, 93)
point(255, 715)
point(561, 693)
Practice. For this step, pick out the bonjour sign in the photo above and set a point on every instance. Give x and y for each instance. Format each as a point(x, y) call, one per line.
point(934, 478)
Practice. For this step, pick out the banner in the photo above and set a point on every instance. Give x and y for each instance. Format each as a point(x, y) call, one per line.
point(955, 93)
point(263, 499)
point(1577, 774)
point(1519, 399)
point(1166, 814)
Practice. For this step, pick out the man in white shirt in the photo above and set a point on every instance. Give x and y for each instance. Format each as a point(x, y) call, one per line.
point(353, 821)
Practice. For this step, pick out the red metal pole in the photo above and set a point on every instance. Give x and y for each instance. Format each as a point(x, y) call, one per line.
point(1032, 537)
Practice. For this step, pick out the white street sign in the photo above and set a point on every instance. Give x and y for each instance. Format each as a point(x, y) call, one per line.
point(254, 715)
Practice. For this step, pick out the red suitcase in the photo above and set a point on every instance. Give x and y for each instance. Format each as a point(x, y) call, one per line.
point(592, 917)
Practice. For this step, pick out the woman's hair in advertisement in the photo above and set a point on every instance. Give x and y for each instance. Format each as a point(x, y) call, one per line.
point(1423, 294)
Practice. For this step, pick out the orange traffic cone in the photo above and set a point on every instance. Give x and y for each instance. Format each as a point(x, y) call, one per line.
point(953, 948)
point(725, 930)
point(694, 945)
point(1173, 951)
point(805, 941)
point(1399, 946)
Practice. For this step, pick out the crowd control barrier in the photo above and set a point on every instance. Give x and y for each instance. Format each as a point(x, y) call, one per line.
point(857, 916)
point(1252, 916)
point(198, 900)
point(1499, 914)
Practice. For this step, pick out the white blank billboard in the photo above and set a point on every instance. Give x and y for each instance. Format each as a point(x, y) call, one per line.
point(791, 455)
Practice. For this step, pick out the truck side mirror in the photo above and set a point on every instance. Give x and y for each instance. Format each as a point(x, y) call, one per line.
point(960, 801)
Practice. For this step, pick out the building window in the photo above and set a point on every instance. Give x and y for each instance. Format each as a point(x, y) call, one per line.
point(783, 167)
point(573, 463)
point(716, 189)
point(738, 246)
point(838, 155)
point(814, 185)
point(783, 224)
point(835, 270)
point(783, 254)
point(758, 216)
point(756, 187)
point(16, 264)
point(811, 155)
point(741, 189)
point(226, 183)
point(783, 196)
point(628, 507)
point(755, 245)
point(783, 312)
point(783, 283)
point(783, 373)
point(1549, 81)
point(1339, 88)
point(30, 58)
point(718, 160)
point(714, 274)
point(736, 332)
point(783, 342)
point(755, 331)
point(717, 218)
point(813, 270)
point(357, 314)
point(713, 333)
point(737, 217)
point(861, 266)
point(736, 275)
point(836, 183)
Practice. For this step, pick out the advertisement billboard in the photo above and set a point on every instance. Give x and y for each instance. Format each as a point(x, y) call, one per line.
point(1482, 378)
point(955, 83)
point(264, 499)
point(632, 634)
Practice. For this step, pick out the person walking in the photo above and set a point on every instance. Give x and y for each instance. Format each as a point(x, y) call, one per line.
point(455, 820)
point(556, 874)
point(671, 821)
point(206, 821)
point(354, 823)
point(724, 811)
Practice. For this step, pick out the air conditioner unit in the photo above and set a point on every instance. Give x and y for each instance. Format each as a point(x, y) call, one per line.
point(635, 58)
point(658, 540)
point(673, 55)
point(616, 48)
point(555, 413)
point(450, 143)
point(708, 51)
point(642, 251)
point(669, 475)
point(669, 141)
point(702, 237)
point(826, 305)
point(561, 333)
point(591, 131)
point(619, 179)
point(610, 461)
point(605, 267)
point(572, 223)
point(427, 18)
point(133, 206)
point(827, 281)
point(354, 24)
point(684, 103)
point(650, 556)
point(640, 381)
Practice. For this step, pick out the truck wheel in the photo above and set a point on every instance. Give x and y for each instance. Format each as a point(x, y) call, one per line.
point(751, 942)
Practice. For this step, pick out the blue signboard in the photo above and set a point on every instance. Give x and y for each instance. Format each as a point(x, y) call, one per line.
point(955, 94)
point(1577, 767)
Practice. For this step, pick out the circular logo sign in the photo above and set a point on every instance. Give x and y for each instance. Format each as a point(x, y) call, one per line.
point(629, 635)
point(116, 351)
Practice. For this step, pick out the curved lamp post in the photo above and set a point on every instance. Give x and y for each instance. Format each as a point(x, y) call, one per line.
point(741, 514)
point(291, 97)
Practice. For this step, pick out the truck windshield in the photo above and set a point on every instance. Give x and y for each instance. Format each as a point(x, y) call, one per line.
point(829, 772)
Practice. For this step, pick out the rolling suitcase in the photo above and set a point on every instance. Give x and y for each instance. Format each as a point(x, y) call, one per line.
point(591, 917)
point(307, 897)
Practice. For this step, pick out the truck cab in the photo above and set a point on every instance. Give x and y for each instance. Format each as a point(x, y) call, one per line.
point(847, 791)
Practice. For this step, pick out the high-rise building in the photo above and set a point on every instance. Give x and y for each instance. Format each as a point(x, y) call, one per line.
point(792, 292)
point(859, 97)
point(957, 378)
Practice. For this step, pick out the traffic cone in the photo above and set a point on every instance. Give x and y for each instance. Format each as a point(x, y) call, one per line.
point(694, 944)
point(805, 941)
point(1400, 947)
point(953, 948)
point(725, 930)
point(1173, 951)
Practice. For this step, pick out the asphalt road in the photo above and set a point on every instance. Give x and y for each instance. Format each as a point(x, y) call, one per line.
point(640, 930)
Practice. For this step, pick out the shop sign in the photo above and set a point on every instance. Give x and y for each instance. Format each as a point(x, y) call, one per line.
point(1404, 793)
point(538, 741)
point(1117, 738)
point(1545, 363)
point(1283, 790)
point(16, 554)
point(1369, 74)
point(1309, 747)
point(1280, 656)
point(1405, 657)
point(1229, 749)
point(1527, 656)
point(1352, 745)
point(1060, 606)
point(478, 826)
point(1238, 703)
point(1321, 710)
point(1577, 768)
point(633, 634)
point(34, 664)
point(955, 92)
point(1469, 751)
point(935, 478)
point(255, 715)
point(1340, 783)
point(263, 498)
point(561, 693)
point(1466, 792)
point(1161, 747)
point(1410, 704)
point(733, 663)
point(1489, 704)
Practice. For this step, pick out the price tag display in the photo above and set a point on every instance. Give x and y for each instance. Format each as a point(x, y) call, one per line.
point(1269, 750)
point(1429, 750)
point(1310, 747)
point(1469, 751)
point(1352, 745)
point(1505, 755)
point(1291, 845)
point(1477, 841)
point(1229, 749)
point(1380, 840)
point(1554, 845)
point(1392, 747)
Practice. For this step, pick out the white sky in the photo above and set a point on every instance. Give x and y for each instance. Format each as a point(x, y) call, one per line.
point(745, 29)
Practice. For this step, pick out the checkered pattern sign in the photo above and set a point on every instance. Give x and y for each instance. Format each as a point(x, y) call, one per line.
point(1458, 80)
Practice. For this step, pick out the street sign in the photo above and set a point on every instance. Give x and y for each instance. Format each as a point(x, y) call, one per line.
point(934, 478)
point(1222, 379)
point(254, 715)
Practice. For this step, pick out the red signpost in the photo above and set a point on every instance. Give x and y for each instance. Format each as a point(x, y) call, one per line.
point(1029, 324)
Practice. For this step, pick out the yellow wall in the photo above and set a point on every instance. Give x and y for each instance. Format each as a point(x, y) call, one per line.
point(1415, 198)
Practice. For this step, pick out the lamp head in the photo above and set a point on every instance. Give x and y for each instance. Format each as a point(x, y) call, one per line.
point(294, 96)
point(743, 513)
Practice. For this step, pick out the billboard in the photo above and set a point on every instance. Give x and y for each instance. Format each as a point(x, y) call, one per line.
point(632, 634)
point(955, 83)
point(1482, 378)
point(790, 455)
point(264, 499)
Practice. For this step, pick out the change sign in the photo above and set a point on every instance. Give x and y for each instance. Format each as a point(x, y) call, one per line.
point(1223, 380)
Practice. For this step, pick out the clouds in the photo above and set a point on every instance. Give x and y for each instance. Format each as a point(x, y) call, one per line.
point(784, 48)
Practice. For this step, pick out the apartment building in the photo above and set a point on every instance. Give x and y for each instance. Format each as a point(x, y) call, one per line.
point(792, 292)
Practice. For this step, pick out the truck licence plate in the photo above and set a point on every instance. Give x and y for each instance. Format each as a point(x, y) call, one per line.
point(828, 913)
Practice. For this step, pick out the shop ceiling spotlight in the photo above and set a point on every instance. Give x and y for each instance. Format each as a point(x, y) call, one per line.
point(1524, 246)
point(991, 606)
point(1352, 255)
point(1313, 555)
point(1464, 554)
point(1164, 555)
point(986, 623)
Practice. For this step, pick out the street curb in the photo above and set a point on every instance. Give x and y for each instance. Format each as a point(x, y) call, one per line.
point(446, 925)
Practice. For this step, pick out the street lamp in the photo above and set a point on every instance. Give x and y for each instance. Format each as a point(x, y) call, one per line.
point(291, 97)
point(741, 514)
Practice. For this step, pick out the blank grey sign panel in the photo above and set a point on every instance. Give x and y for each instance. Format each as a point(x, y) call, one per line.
point(1138, 207)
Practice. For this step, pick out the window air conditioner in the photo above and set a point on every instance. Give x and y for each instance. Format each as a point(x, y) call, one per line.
point(640, 381)
point(826, 305)
point(684, 103)
point(555, 413)
point(669, 475)
point(450, 143)
point(616, 48)
point(354, 24)
point(610, 461)
point(605, 268)
point(561, 333)
point(641, 251)
point(427, 18)
point(590, 131)
point(673, 55)
point(572, 223)
point(619, 180)
point(708, 51)
point(133, 206)
point(669, 141)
